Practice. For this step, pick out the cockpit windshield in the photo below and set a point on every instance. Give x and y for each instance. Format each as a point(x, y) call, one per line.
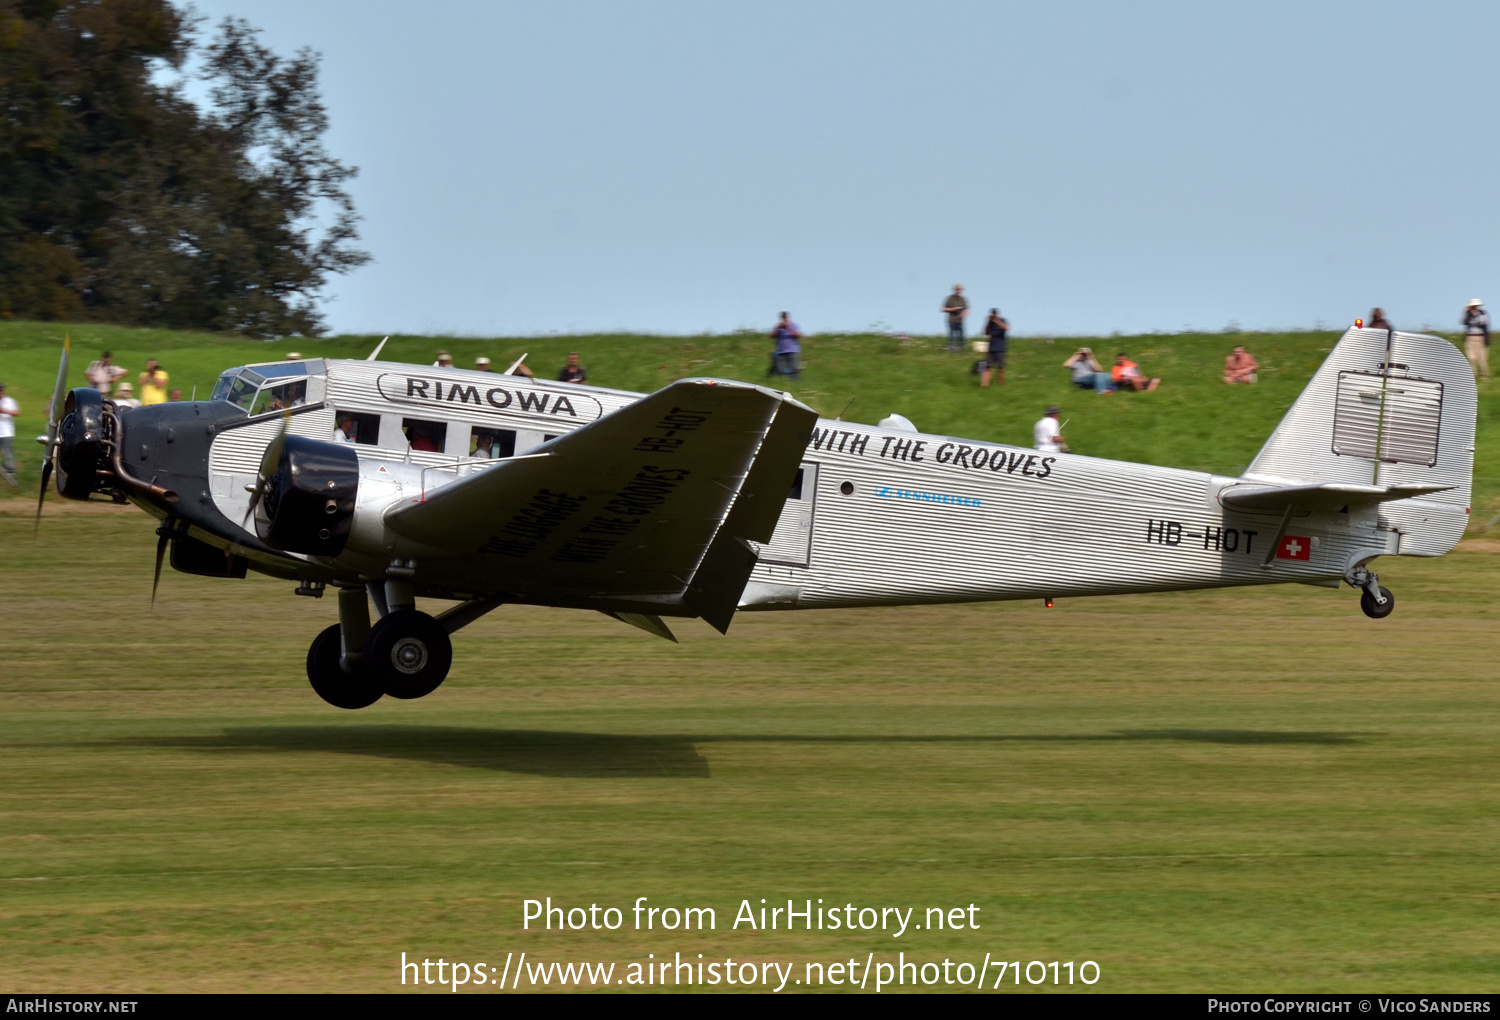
point(265, 388)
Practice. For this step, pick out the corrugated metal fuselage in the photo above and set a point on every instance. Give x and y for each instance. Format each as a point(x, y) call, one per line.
point(879, 517)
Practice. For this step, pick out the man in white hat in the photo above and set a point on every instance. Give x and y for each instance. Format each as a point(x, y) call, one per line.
point(482, 364)
point(1048, 433)
point(1477, 338)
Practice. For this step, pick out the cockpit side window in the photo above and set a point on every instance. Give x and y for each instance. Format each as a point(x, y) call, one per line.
point(242, 393)
point(278, 396)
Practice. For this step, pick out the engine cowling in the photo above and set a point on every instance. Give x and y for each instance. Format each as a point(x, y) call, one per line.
point(81, 450)
point(308, 500)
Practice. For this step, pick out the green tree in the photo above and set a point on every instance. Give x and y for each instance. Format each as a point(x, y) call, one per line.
point(122, 200)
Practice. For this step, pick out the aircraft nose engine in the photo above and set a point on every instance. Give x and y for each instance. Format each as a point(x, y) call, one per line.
point(307, 500)
point(81, 451)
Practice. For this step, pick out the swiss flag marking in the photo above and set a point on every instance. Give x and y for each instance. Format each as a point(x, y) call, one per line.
point(1294, 547)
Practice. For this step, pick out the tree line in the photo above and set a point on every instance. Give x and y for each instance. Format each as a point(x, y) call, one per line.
point(123, 200)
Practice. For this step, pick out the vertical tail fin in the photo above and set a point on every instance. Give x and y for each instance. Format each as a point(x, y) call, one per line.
point(1385, 409)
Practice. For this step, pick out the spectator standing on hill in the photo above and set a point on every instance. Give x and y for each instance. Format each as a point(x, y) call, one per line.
point(104, 373)
point(1088, 374)
point(573, 372)
point(1241, 366)
point(784, 356)
point(1477, 338)
point(1048, 433)
point(956, 306)
point(1128, 374)
point(995, 328)
point(125, 396)
point(444, 360)
point(153, 384)
point(9, 411)
point(1378, 319)
point(482, 365)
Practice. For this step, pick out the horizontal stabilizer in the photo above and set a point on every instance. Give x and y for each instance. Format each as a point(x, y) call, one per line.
point(1328, 496)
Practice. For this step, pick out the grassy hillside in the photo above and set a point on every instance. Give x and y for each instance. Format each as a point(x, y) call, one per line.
point(1193, 421)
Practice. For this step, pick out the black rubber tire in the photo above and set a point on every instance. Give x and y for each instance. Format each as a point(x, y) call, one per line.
point(1374, 610)
point(332, 684)
point(408, 654)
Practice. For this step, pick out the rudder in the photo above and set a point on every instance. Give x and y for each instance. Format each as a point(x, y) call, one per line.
point(1385, 408)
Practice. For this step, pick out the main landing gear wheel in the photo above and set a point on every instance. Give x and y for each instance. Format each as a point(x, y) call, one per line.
point(408, 654)
point(1377, 610)
point(333, 685)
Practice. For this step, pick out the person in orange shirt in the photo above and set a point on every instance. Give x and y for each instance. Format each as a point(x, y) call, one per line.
point(1128, 375)
point(152, 384)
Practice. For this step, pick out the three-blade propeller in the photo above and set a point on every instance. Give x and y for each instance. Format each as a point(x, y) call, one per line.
point(54, 421)
point(164, 534)
point(268, 462)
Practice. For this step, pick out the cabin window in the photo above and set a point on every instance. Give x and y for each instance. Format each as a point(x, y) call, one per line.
point(425, 436)
point(354, 427)
point(492, 444)
point(796, 492)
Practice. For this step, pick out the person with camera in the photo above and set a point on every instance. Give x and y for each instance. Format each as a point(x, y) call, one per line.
point(995, 328)
point(1088, 374)
point(788, 346)
point(1477, 338)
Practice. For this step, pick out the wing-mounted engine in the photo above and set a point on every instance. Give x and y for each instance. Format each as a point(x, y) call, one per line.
point(307, 501)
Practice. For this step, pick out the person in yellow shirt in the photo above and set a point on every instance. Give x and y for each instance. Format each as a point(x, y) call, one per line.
point(152, 384)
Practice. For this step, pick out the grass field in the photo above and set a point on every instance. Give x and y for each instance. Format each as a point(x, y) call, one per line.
point(1245, 790)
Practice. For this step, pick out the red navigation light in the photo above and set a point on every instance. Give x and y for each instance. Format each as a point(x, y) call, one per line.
point(1047, 601)
point(1359, 323)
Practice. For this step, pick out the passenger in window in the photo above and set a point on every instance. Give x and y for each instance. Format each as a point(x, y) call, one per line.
point(422, 438)
point(484, 446)
point(344, 431)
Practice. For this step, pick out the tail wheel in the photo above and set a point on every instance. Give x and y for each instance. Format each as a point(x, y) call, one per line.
point(332, 684)
point(408, 654)
point(1377, 610)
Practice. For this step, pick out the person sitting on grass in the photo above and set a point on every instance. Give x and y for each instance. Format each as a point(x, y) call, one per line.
point(1128, 375)
point(1240, 367)
point(1087, 372)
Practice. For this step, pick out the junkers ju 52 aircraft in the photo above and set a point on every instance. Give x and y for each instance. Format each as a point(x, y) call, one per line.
point(391, 481)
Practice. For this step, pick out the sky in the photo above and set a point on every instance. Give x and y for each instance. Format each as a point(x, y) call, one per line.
point(664, 167)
